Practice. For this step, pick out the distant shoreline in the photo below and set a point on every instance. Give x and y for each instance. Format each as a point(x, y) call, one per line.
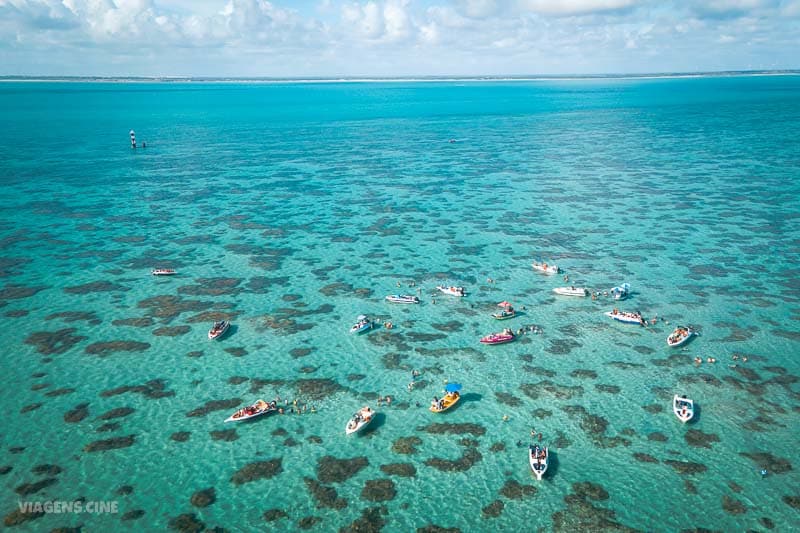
point(409, 79)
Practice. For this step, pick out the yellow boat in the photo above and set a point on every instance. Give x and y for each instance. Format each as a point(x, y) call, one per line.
point(448, 401)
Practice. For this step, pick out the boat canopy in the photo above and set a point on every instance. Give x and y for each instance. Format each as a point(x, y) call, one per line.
point(361, 317)
point(504, 304)
point(452, 387)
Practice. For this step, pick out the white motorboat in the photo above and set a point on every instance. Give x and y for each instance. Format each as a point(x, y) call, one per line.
point(218, 329)
point(621, 292)
point(571, 291)
point(683, 408)
point(680, 336)
point(163, 272)
point(362, 324)
point(402, 299)
point(545, 268)
point(360, 420)
point(452, 291)
point(627, 318)
point(538, 456)
point(251, 411)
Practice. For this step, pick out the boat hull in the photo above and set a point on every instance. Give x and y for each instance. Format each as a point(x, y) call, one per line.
point(539, 468)
point(625, 319)
point(163, 272)
point(263, 409)
point(218, 334)
point(447, 403)
point(401, 299)
point(683, 408)
point(571, 291)
point(681, 340)
point(360, 328)
point(451, 292)
point(501, 339)
point(501, 316)
point(550, 269)
point(354, 426)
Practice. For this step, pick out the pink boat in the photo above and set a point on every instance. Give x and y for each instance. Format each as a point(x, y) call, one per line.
point(499, 338)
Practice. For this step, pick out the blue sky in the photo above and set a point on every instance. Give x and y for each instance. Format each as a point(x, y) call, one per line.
point(394, 37)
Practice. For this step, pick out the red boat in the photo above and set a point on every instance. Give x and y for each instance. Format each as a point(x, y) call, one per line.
point(499, 338)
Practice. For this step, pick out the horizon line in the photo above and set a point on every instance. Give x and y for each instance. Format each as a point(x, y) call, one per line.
point(410, 78)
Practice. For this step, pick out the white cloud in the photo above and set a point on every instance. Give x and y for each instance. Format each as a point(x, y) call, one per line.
point(575, 7)
point(374, 37)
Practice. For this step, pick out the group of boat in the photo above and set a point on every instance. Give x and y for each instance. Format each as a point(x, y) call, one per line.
point(683, 407)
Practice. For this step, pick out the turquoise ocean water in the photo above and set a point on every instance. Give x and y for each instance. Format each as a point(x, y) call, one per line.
point(292, 208)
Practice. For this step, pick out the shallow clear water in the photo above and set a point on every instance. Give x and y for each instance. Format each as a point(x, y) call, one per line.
point(291, 209)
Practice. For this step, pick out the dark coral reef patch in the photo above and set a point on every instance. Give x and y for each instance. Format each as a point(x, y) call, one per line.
point(258, 470)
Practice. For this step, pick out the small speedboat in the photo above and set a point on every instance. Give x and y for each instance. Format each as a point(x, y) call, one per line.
point(538, 456)
point(545, 268)
point(362, 324)
point(359, 420)
point(452, 291)
point(621, 292)
point(402, 299)
point(683, 408)
point(499, 338)
point(445, 403)
point(627, 318)
point(571, 291)
point(506, 313)
point(680, 336)
point(218, 329)
point(163, 272)
point(251, 411)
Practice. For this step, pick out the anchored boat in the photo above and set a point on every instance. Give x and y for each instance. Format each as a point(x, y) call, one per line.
point(360, 420)
point(679, 336)
point(538, 456)
point(451, 397)
point(251, 411)
point(499, 338)
point(627, 318)
point(163, 272)
point(362, 324)
point(621, 292)
point(402, 299)
point(452, 291)
point(218, 329)
point(545, 268)
point(683, 408)
point(506, 313)
point(571, 291)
